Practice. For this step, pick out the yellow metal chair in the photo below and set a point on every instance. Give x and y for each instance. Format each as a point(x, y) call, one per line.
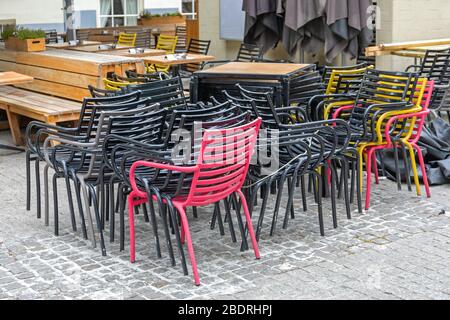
point(126, 39)
point(167, 43)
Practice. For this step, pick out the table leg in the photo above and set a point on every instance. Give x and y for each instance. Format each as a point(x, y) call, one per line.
point(14, 126)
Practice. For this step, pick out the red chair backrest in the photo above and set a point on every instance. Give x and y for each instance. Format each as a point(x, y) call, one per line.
point(223, 163)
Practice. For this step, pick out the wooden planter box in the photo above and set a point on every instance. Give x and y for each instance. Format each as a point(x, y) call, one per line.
point(162, 21)
point(28, 45)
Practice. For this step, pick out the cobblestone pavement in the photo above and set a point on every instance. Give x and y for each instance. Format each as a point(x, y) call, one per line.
point(400, 249)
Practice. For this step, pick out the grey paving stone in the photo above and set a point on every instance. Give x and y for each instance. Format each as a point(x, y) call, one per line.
point(397, 250)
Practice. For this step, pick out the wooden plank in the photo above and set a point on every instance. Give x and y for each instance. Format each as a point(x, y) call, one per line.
point(255, 68)
point(11, 77)
point(66, 45)
point(65, 60)
point(386, 48)
point(51, 75)
point(14, 126)
point(57, 89)
point(126, 53)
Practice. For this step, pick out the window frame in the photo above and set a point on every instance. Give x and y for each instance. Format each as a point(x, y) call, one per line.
point(124, 16)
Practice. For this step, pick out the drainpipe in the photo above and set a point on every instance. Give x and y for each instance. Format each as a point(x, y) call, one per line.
point(69, 19)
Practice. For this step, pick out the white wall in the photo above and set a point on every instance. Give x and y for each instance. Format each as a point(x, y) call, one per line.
point(162, 4)
point(32, 11)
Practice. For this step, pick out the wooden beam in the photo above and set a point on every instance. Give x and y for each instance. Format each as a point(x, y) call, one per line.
point(387, 48)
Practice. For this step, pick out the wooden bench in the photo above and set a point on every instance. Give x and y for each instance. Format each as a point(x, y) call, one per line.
point(22, 103)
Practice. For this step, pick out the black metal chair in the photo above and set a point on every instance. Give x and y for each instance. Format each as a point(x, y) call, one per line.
point(197, 47)
point(51, 36)
point(247, 53)
point(181, 33)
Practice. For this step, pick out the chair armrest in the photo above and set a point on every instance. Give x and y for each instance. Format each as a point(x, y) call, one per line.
point(416, 66)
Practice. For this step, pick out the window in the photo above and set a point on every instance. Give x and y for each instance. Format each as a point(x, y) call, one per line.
point(188, 8)
point(117, 13)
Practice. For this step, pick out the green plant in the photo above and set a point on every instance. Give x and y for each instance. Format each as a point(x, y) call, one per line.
point(25, 33)
point(148, 15)
point(8, 32)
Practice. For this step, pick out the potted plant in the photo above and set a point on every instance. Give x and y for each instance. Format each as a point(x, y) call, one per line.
point(24, 39)
point(8, 34)
point(148, 19)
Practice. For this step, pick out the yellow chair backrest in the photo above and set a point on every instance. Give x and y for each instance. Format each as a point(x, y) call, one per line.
point(114, 85)
point(126, 39)
point(167, 43)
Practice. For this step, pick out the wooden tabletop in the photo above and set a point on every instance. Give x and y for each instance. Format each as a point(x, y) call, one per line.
point(75, 55)
point(66, 45)
point(97, 48)
point(170, 59)
point(127, 53)
point(11, 77)
point(255, 68)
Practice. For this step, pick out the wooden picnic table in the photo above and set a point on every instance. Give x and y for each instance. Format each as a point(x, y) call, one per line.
point(67, 45)
point(127, 53)
point(11, 77)
point(211, 82)
point(105, 47)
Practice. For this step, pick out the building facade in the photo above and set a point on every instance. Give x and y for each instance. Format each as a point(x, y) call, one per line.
point(49, 14)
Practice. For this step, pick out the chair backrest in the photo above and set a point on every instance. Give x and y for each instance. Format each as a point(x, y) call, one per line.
point(305, 86)
point(89, 118)
point(345, 81)
point(197, 47)
point(126, 39)
point(435, 66)
point(223, 163)
point(167, 43)
point(143, 38)
point(51, 36)
point(168, 93)
point(381, 87)
point(83, 34)
point(327, 70)
point(249, 53)
point(181, 33)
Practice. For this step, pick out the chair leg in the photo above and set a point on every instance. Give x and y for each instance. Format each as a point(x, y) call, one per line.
point(177, 234)
point(369, 177)
point(303, 190)
point(55, 204)
point(28, 178)
point(185, 225)
point(424, 170)
point(241, 226)
point(249, 225)
point(112, 215)
point(87, 209)
point(38, 188)
point(333, 175)
point(69, 197)
point(345, 176)
point(277, 204)
point(407, 168)
point(131, 223)
point(46, 196)
point(397, 169)
point(229, 219)
point(414, 167)
point(318, 191)
point(80, 204)
point(98, 220)
point(375, 168)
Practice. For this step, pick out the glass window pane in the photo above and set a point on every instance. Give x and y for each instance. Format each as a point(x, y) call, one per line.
point(106, 22)
point(132, 21)
point(188, 6)
point(119, 7)
point(132, 7)
point(119, 21)
point(105, 7)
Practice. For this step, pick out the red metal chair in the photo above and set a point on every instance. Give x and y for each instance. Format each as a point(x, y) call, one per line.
point(220, 171)
point(408, 138)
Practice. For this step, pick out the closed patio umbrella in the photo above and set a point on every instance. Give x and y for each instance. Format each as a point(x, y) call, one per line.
point(303, 24)
point(347, 27)
point(262, 25)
